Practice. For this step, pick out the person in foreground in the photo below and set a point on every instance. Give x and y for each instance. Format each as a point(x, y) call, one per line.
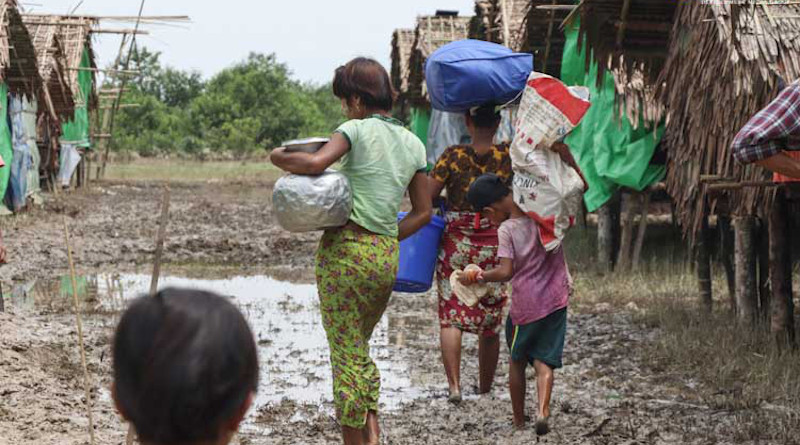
point(185, 368)
point(541, 285)
point(357, 264)
point(771, 132)
point(469, 239)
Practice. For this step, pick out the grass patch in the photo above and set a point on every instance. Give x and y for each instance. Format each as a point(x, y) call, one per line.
point(736, 371)
point(193, 171)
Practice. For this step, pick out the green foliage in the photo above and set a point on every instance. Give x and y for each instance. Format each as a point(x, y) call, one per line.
point(253, 105)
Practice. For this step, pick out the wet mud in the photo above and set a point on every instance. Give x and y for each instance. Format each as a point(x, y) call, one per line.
point(223, 237)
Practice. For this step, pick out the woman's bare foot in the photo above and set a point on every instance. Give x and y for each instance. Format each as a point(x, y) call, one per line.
point(455, 397)
point(542, 426)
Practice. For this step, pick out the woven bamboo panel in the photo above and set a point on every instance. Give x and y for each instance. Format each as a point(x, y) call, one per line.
point(432, 33)
point(489, 22)
point(543, 37)
point(723, 67)
point(51, 61)
point(402, 45)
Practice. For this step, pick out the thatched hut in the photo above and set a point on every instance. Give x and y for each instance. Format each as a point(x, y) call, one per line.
point(18, 68)
point(432, 32)
point(724, 65)
point(402, 45)
point(500, 21)
point(543, 36)
point(51, 58)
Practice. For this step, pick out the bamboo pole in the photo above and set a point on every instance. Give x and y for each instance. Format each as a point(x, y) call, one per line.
point(726, 239)
point(703, 260)
point(780, 266)
point(626, 242)
point(160, 238)
point(605, 238)
point(86, 384)
point(637, 249)
point(745, 271)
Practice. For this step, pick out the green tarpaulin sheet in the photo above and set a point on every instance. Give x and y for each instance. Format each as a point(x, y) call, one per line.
point(6, 149)
point(419, 122)
point(76, 131)
point(609, 150)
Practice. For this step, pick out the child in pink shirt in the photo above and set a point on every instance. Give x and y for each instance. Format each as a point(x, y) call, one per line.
point(537, 324)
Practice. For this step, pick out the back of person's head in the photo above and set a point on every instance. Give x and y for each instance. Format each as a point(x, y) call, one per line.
point(185, 367)
point(366, 80)
point(484, 117)
point(488, 189)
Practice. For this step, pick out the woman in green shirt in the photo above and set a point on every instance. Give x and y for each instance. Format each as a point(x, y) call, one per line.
point(357, 264)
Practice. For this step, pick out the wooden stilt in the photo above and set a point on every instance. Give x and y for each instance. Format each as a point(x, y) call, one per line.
point(637, 249)
point(629, 206)
point(780, 265)
point(746, 285)
point(605, 238)
point(764, 288)
point(703, 259)
point(726, 240)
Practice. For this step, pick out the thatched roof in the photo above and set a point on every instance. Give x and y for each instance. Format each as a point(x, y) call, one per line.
point(630, 38)
point(543, 37)
point(637, 29)
point(402, 45)
point(432, 33)
point(75, 35)
point(723, 67)
point(490, 19)
point(17, 55)
point(51, 60)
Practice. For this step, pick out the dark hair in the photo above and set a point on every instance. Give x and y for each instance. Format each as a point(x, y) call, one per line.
point(487, 190)
point(185, 362)
point(485, 116)
point(366, 79)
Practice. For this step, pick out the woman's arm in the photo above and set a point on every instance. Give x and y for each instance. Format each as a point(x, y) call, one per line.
point(301, 163)
point(501, 274)
point(421, 207)
point(566, 155)
point(435, 187)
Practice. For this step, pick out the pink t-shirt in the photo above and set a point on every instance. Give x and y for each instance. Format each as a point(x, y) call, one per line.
point(541, 283)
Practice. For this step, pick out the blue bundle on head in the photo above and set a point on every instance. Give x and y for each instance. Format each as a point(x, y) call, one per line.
point(471, 73)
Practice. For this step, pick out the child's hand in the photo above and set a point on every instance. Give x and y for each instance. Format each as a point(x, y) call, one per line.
point(470, 277)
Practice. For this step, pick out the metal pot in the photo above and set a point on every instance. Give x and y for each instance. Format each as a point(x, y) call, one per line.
point(308, 145)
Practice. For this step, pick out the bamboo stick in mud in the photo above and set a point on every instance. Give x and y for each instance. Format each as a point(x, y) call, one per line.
point(160, 238)
point(86, 384)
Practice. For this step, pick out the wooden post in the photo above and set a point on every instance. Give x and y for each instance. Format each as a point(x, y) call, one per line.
point(727, 256)
point(764, 288)
point(703, 259)
point(780, 265)
point(605, 238)
point(626, 241)
point(745, 270)
point(637, 249)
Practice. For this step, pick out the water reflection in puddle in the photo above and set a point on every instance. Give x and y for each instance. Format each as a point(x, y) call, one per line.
point(292, 345)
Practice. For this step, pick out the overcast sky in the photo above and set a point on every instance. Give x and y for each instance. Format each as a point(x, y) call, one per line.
point(312, 36)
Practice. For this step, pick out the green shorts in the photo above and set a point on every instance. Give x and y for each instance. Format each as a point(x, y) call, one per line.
point(541, 340)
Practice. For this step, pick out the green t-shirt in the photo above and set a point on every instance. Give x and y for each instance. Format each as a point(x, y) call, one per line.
point(382, 160)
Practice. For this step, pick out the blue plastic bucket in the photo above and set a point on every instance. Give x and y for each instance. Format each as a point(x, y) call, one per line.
point(418, 254)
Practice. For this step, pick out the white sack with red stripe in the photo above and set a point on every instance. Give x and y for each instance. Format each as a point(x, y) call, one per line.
point(546, 188)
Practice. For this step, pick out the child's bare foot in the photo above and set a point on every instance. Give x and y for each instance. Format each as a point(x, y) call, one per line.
point(542, 426)
point(455, 397)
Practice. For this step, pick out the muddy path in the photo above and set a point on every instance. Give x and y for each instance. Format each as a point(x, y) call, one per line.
point(606, 394)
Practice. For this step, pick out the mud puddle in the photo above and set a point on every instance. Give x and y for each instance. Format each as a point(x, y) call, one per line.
point(285, 319)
